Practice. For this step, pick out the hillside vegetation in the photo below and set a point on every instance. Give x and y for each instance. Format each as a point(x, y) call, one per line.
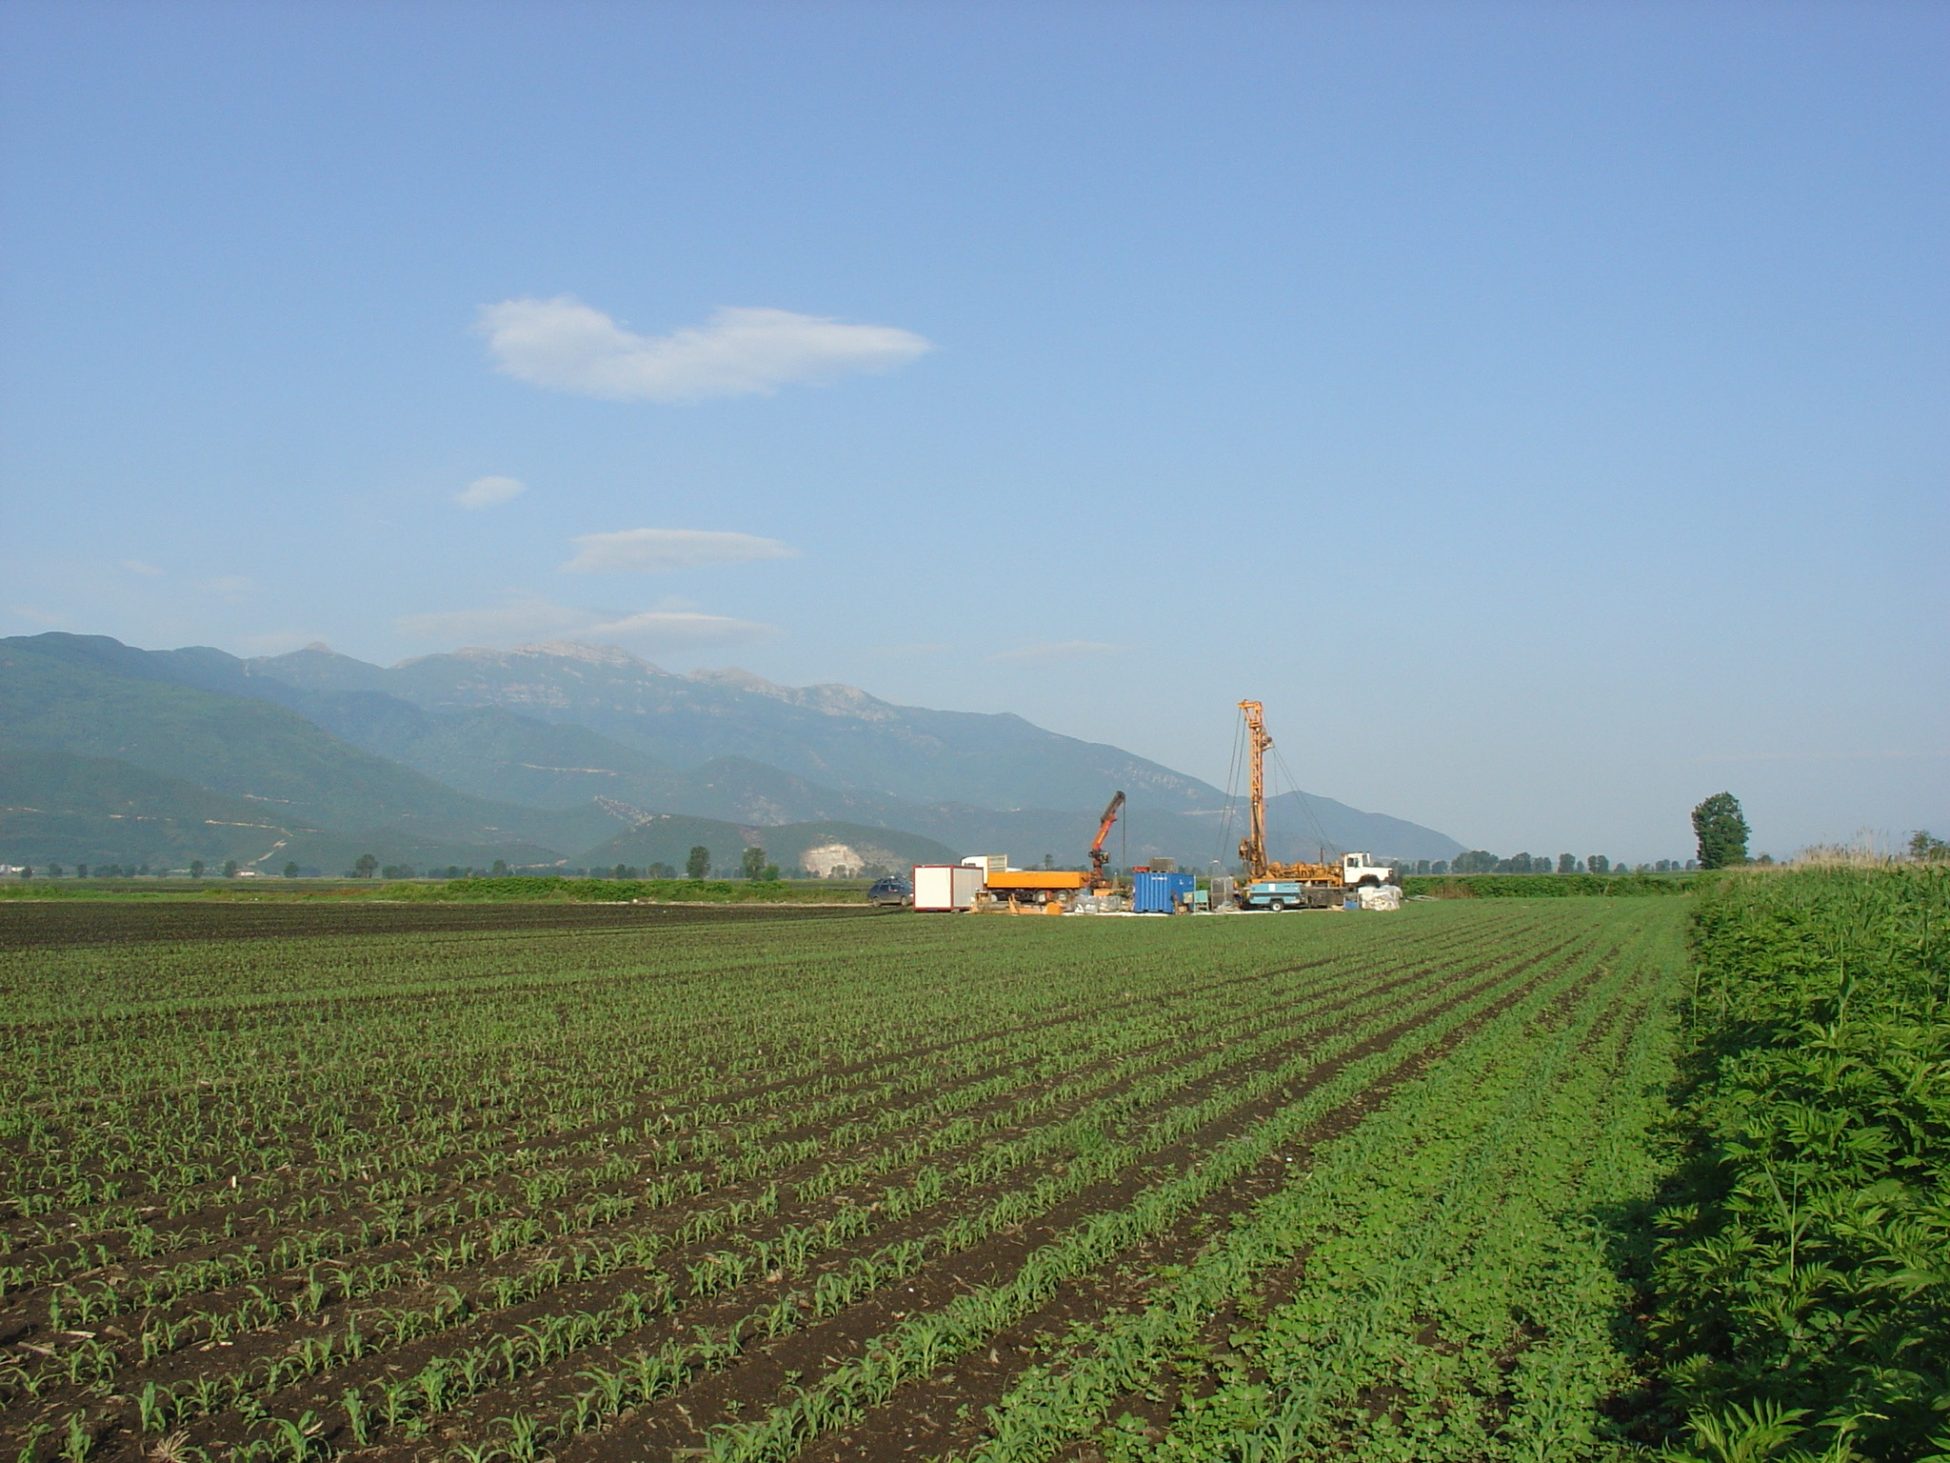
point(542, 756)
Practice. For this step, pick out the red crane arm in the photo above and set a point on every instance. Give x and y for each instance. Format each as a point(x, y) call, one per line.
point(1098, 858)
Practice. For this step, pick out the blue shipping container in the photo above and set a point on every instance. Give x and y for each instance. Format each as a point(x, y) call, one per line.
point(1159, 893)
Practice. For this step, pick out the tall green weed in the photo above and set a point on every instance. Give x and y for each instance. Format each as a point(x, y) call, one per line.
point(1802, 1271)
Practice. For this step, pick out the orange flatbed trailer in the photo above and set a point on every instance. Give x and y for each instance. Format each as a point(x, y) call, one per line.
point(1016, 881)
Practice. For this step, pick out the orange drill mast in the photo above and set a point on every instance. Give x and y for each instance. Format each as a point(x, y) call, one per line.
point(1252, 848)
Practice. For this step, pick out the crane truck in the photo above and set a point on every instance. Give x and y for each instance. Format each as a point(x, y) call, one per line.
point(1052, 891)
point(1099, 856)
point(1279, 886)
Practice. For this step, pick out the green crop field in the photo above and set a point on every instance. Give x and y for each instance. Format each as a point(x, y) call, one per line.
point(612, 1182)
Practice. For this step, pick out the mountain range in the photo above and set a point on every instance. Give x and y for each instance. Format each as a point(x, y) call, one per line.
point(568, 756)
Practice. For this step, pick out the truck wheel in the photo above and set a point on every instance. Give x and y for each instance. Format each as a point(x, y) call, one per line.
point(1279, 906)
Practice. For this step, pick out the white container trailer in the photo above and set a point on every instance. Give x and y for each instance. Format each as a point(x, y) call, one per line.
point(946, 886)
point(989, 863)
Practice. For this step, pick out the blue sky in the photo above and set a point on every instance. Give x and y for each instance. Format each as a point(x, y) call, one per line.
point(1541, 408)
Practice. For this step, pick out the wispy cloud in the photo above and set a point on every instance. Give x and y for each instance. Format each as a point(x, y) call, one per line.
point(916, 649)
point(565, 345)
point(527, 617)
point(276, 642)
point(1882, 754)
point(523, 617)
point(659, 550)
point(1058, 650)
point(137, 566)
point(486, 492)
point(680, 630)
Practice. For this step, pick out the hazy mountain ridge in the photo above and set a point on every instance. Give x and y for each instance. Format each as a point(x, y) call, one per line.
point(551, 750)
point(837, 736)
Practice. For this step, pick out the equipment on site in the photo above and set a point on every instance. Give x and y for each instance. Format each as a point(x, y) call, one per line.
point(1099, 857)
point(1038, 891)
point(1034, 891)
point(1161, 893)
point(945, 887)
point(1278, 886)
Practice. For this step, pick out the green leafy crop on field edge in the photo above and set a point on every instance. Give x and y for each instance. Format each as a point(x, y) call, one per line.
point(1802, 1279)
point(1552, 886)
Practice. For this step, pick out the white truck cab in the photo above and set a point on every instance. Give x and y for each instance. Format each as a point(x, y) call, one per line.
point(1358, 869)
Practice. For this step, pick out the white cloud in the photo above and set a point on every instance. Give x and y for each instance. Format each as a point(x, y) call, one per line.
point(523, 617)
point(529, 617)
point(680, 630)
point(276, 642)
point(658, 550)
point(1058, 650)
point(913, 648)
point(565, 345)
point(136, 566)
point(486, 492)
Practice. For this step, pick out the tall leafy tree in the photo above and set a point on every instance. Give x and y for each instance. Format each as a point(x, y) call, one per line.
point(699, 863)
point(1722, 832)
point(752, 862)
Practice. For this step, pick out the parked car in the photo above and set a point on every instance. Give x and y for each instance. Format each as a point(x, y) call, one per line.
point(891, 891)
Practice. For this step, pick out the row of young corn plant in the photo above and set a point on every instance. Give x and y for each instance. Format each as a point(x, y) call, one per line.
point(1090, 1141)
point(324, 1109)
point(1801, 1291)
point(358, 1280)
point(400, 1106)
point(1429, 1287)
point(1032, 1003)
point(847, 1278)
point(85, 1306)
point(918, 1345)
point(667, 1147)
point(1535, 1270)
point(609, 1190)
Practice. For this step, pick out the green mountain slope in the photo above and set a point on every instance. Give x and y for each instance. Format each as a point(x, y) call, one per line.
point(72, 809)
point(550, 750)
point(774, 754)
point(836, 736)
point(56, 696)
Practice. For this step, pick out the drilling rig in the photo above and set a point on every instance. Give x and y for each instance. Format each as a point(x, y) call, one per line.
point(1278, 886)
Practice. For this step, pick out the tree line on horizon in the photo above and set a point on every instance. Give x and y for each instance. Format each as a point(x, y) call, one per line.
point(1719, 827)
